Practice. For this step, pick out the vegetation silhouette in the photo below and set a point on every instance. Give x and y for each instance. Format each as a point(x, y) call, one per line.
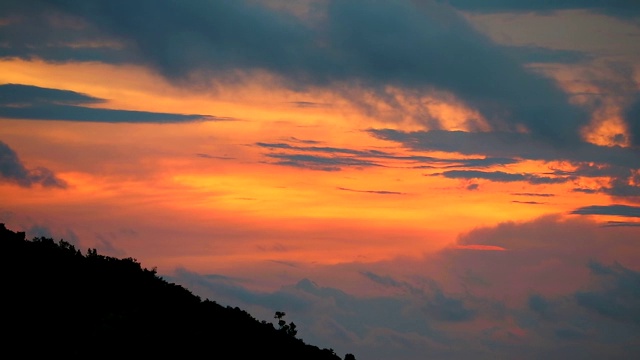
point(59, 302)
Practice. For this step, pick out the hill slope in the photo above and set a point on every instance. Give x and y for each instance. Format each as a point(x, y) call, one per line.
point(57, 301)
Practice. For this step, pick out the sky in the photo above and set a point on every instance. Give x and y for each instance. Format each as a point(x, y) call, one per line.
point(406, 179)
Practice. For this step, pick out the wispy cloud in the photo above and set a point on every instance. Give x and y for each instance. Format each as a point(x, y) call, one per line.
point(534, 194)
point(340, 157)
point(617, 165)
point(379, 192)
point(501, 176)
point(616, 210)
point(12, 170)
point(19, 101)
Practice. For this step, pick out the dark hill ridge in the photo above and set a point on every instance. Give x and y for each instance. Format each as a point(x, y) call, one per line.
point(57, 301)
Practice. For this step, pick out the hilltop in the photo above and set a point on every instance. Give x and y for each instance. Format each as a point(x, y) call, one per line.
point(58, 301)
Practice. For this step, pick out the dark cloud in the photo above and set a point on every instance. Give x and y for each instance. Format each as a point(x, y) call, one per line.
point(528, 202)
point(12, 170)
point(539, 304)
point(316, 162)
point(513, 145)
point(309, 104)
point(378, 192)
point(36, 103)
point(620, 165)
point(38, 30)
point(302, 141)
point(618, 8)
point(537, 300)
point(622, 224)
point(534, 194)
point(632, 117)
point(501, 176)
point(616, 210)
point(617, 295)
point(446, 308)
point(26, 95)
point(337, 158)
point(586, 191)
point(416, 46)
point(436, 304)
point(537, 54)
point(207, 156)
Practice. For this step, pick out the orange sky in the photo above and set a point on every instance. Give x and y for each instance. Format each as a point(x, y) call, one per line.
point(150, 171)
point(415, 188)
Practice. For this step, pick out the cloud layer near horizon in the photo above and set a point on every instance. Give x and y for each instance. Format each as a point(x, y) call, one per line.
point(482, 304)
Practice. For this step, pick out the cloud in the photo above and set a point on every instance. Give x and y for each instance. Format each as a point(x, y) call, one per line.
point(36, 103)
point(616, 210)
point(12, 170)
point(317, 162)
point(534, 194)
point(537, 54)
point(618, 165)
point(514, 145)
point(501, 176)
point(621, 8)
point(25, 95)
point(543, 297)
point(632, 117)
point(373, 45)
point(378, 192)
point(617, 295)
point(303, 156)
point(622, 223)
point(207, 156)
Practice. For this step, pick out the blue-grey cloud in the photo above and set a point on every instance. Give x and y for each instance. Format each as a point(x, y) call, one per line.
point(407, 315)
point(528, 202)
point(25, 95)
point(632, 117)
point(619, 164)
point(309, 104)
point(534, 194)
point(436, 304)
point(585, 190)
point(378, 192)
point(618, 293)
point(317, 162)
point(501, 176)
point(537, 54)
point(412, 45)
point(539, 304)
point(615, 210)
point(28, 102)
point(618, 8)
point(514, 145)
point(207, 156)
point(336, 158)
point(622, 224)
point(12, 170)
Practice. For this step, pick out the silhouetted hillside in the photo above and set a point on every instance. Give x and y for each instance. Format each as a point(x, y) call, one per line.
point(57, 301)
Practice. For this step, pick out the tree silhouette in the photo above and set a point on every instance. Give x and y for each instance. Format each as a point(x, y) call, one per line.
point(112, 307)
point(289, 329)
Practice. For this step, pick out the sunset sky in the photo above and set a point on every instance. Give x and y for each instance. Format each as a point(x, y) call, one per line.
point(405, 179)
